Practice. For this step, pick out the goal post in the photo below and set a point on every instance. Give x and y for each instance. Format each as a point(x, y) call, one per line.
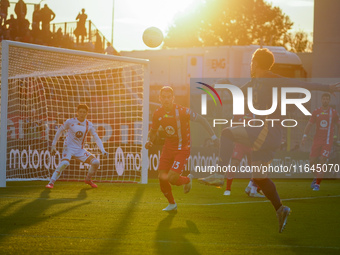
point(41, 87)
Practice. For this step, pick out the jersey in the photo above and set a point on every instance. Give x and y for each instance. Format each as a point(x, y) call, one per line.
point(324, 120)
point(176, 124)
point(76, 132)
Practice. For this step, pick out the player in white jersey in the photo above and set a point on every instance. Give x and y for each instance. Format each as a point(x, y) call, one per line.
point(77, 129)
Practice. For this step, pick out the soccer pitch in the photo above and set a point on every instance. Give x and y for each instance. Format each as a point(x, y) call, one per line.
point(118, 218)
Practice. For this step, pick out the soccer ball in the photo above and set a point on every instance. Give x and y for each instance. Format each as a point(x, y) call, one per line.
point(153, 37)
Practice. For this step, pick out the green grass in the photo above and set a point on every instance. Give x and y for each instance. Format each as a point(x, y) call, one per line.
point(127, 219)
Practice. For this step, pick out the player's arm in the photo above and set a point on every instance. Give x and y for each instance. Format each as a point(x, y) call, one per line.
point(151, 138)
point(306, 132)
point(61, 129)
point(98, 142)
point(199, 119)
point(153, 131)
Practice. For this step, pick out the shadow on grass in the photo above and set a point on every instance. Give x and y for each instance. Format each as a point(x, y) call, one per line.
point(122, 229)
point(172, 240)
point(34, 212)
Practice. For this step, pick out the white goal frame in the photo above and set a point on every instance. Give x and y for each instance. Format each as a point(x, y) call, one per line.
point(5, 45)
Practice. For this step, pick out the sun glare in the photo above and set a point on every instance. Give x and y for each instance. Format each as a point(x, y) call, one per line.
point(139, 15)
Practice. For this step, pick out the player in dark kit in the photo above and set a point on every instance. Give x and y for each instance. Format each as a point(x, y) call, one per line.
point(175, 120)
point(241, 151)
point(324, 118)
point(264, 140)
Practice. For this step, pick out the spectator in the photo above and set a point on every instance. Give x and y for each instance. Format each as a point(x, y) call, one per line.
point(23, 28)
point(4, 4)
point(81, 29)
point(12, 27)
point(47, 15)
point(20, 10)
point(99, 44)
point(58, 38)
point(110, 50)
point(36, 19)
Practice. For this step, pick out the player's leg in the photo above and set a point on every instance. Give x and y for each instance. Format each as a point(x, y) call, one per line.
point(322, 160)
point(86, 157)
point(265, 145)
point(314, 158)
point(319, 176)
point(312, 162)
point(63, 164)
point(248, 188)
point(94, 165)
point(174, 175)
point(269, 190)
point(266, 184)
point(228, 136)
point(165, 163)
point(249, 162)
point(230, 175)
point(252, 188)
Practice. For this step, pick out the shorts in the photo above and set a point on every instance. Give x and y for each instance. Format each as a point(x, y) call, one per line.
point(320, 150)
point(174, 160)
point(78, 153)
point(240, 151)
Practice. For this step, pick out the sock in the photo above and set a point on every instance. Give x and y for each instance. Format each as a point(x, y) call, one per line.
point(59, 170)
point(269, 190)
point(226, 147)
point(93, 169)
point(250, 184)
point(182, 180)
point(229, 182)
point(318, 181)
point(253, 189)
point(166, 189)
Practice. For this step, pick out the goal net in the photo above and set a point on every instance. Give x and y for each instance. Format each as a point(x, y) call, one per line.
point(41, 88)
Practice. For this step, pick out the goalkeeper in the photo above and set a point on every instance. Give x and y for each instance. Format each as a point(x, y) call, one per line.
point(77, 129)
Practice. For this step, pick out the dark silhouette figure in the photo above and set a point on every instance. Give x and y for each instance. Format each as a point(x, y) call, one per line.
point(81, 29)
point(12, 27)
point(4, 4)
point(20, 10)
point(47, 15)
point(110, 50)
point(58, 38)
point(36, 19)
point(99, 44)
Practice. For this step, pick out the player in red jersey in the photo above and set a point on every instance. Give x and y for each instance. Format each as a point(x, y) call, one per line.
point(325, 118)
point(175, 120)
